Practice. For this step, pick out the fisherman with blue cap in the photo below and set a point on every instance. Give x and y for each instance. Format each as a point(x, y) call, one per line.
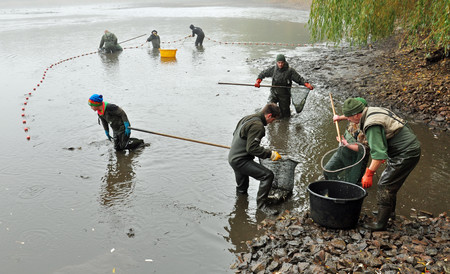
point(114, 116)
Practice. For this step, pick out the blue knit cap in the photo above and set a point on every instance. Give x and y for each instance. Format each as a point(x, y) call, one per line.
point(95, 100)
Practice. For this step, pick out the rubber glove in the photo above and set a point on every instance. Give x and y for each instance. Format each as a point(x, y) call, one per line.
point(258, 83)
point(275, 156)
point(308, 85)
point(107, 135)
point(366, 180)
point(127, 128)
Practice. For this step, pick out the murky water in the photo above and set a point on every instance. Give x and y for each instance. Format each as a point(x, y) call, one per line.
point(71, 204)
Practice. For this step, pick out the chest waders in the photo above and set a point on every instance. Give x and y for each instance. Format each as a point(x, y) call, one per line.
point(244, 167)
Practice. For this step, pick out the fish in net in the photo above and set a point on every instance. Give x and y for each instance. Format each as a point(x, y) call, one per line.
point(345, 164)
point(283, 183)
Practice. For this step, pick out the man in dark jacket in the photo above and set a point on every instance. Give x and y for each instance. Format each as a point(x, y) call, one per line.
point(109, 41)
point(154, 38)
point(391, 139)
point(246, 146)
point(282, 75)
point(117, 118)
point(200, 35)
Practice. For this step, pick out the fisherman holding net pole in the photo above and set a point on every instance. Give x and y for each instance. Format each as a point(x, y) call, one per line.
point(391, 139)
point(347, 162)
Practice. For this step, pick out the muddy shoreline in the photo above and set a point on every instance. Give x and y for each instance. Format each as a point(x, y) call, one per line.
point(403, 81)
point(400, 79)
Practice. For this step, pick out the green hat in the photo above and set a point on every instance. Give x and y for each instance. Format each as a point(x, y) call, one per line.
point(352, 106)
point(280, 57)
point(362, 100)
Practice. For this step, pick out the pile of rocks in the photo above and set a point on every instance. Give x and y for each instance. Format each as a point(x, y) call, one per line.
point(293, 243)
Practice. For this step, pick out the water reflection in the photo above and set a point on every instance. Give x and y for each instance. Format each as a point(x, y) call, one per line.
point(154, 53)
point(241, 227)
point(118, 181)
point(168, 60)
point(109, 59)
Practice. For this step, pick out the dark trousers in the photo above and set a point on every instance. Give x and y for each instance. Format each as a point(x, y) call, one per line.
point(121, 141)
point(392, 178)
point(199, 40)
point(284, 102)
point(243, 169)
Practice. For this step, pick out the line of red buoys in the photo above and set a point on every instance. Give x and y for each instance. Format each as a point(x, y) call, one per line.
point(26, 129)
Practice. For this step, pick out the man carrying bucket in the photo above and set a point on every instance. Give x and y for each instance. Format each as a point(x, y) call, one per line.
point(117, 118)
point(282, 75)
point(391, 139)
point(246, 146)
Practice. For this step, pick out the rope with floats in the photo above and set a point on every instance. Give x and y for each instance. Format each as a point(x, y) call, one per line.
point(29, 94)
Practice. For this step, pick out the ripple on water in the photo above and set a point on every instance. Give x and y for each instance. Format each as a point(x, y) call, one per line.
point(32, 192)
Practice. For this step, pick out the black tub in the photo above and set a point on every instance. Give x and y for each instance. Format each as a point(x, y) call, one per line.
point(335, 204)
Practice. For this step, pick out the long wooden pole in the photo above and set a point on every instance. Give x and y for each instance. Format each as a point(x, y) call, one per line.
point(252, 85)
point(132, 38)
point(337, 124)
point(180, 138)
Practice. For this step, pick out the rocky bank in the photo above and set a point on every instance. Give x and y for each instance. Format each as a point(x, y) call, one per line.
point(293, 243)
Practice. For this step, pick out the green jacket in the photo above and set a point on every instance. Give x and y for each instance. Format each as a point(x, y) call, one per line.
point(115, 117)
point(247, 138)
point(282, 77)
point(388, 135)
point(109, 40)
point(156, 41)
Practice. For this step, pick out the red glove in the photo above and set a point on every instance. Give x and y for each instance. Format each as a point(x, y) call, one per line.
point(258, 83)
point(308, 85)
point(367, 178)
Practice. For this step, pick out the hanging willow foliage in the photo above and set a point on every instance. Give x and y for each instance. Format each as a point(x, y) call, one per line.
point(362, 21)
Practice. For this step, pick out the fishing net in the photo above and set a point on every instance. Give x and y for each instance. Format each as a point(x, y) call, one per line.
point(345, 164)
point(283, 183)
point(299, 98)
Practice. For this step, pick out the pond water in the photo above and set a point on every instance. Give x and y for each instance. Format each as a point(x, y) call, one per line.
point(71, 204)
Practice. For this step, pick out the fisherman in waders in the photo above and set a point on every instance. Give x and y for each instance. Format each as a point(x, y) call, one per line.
point(109, 41)
point(390, 138)
point(117, 118)
point(200, 35)
point(245, 147)
point(154, 38)
point(282, 75)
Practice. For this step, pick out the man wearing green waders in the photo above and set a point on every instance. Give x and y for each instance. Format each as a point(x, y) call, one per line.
point(282, 75)
point(391, 139)
point(110, 114)
point(246, 146)
point(109, 41)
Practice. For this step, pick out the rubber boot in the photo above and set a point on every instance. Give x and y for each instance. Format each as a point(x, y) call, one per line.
point(392, 216)
point(267, 210)
point(382, 220)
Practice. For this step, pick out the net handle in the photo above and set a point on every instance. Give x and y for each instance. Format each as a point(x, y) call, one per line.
point(336, 122)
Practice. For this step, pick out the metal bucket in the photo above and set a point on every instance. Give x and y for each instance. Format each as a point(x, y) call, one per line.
point(336, 204)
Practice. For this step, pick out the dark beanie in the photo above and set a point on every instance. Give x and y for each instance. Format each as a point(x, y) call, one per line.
point(191, 26)
point(280, 57)
point(352, 107)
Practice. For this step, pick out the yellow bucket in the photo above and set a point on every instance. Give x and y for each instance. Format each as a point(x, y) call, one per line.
point(168, 52)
